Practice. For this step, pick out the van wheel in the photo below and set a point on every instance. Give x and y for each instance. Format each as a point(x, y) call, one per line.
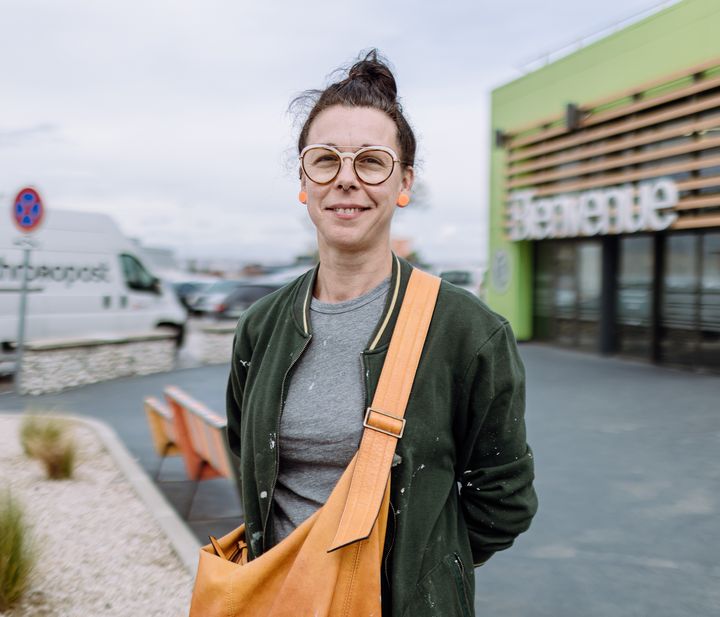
point(179, 332)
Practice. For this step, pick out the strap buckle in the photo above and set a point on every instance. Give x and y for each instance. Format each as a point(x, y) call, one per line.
point(381, 425)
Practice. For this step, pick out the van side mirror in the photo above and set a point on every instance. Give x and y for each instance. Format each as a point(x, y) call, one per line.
point(156, 286)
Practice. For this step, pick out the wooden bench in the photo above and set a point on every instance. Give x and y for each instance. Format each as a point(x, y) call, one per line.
point(162, 427)
point(201, 436)
point(187, 428)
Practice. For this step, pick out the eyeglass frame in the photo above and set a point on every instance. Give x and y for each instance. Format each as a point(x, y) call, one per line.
point(352, 156)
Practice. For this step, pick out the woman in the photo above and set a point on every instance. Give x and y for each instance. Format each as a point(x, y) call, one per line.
point(308, 357)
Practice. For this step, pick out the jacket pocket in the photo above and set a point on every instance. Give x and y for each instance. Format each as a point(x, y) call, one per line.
point(442, 592)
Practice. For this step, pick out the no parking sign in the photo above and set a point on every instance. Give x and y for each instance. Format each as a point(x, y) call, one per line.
point(27, 210)
point(27, 213)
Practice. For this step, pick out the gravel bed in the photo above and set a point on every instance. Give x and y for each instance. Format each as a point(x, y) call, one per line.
point(100, 552)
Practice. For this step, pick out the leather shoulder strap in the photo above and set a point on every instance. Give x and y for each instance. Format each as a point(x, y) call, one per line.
point(384, 419)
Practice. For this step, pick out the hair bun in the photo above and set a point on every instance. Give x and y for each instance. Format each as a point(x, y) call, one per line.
point(375, 73)
point(367, 83)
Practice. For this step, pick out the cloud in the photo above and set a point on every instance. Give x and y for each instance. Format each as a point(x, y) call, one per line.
point(27, 135)
point(174, 118)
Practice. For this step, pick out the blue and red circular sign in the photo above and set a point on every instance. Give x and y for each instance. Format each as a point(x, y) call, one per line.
point(28, 210)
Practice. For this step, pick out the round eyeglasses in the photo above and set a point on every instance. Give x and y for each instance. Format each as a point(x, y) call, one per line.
point(372, 164)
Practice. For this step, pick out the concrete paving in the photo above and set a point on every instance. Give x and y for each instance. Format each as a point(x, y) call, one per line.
point(629, 483)
point(628, 477)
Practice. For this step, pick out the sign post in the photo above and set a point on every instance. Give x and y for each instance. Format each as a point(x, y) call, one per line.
point(27, 214)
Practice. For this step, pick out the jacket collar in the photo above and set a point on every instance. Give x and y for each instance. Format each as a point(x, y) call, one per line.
point(380, 339)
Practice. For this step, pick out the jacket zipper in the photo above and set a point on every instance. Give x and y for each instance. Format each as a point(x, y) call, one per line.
point(461, 584)
point(390, 548)
point(366, 380)
point(459, 563)
point(277, 439)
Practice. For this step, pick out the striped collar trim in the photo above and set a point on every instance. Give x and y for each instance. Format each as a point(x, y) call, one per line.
point(395, 284)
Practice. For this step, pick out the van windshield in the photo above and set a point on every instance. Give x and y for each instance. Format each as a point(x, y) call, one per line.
point(136, 276)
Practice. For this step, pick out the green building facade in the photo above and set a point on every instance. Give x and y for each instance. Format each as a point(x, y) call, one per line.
point(604, 215)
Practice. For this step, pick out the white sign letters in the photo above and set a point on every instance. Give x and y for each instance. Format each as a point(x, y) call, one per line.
point(621, 209)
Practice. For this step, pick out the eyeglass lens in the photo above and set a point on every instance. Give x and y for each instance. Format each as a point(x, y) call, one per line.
point(372, 166)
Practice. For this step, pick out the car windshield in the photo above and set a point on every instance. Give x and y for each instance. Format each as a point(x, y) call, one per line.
point(190, 287)
point(250, 293)
point(221, 287)
point(457, 277)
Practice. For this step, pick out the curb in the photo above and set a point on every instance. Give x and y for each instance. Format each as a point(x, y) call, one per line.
point(183, 542)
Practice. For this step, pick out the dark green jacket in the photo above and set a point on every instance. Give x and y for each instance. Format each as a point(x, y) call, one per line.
point(462, 481)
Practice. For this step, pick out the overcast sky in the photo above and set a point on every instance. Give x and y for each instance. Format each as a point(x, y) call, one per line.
point(172, 115)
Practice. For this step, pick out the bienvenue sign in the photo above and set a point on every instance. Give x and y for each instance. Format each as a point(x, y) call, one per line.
point(629, 208)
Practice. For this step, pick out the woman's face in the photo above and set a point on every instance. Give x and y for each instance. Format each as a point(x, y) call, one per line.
point(348, 214)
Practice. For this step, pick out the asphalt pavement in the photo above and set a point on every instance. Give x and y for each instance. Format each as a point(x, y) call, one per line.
point(628, 477)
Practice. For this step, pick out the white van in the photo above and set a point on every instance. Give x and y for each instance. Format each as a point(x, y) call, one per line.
point(84, 278)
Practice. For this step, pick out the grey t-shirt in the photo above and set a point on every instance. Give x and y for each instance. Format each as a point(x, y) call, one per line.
point(321, 424)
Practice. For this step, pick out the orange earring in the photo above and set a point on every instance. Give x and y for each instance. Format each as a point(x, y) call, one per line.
point(403, 200)
point(302, 197)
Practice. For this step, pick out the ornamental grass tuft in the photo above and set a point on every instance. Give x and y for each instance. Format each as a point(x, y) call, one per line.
point(50, 441)
point(16, 551)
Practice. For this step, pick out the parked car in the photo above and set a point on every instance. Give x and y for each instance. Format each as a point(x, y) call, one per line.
point(470, 279)
point(285, 275)
point(240, 300)
point(189, 291)
point(207, 301)
point(228, 299)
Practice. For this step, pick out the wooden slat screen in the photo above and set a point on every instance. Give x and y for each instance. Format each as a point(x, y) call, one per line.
point(666, 128)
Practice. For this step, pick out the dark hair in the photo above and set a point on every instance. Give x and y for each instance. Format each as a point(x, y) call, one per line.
point(369, 83)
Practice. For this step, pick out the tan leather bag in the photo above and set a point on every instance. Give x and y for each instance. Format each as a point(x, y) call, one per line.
point(330, 566)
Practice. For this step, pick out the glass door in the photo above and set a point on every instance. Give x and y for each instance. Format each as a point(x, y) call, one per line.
point(635, 296)
point(709, 334)
point(565, 294)
point(679, 300)
point(589, 267)
point(543, 305)
point(568, 287)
